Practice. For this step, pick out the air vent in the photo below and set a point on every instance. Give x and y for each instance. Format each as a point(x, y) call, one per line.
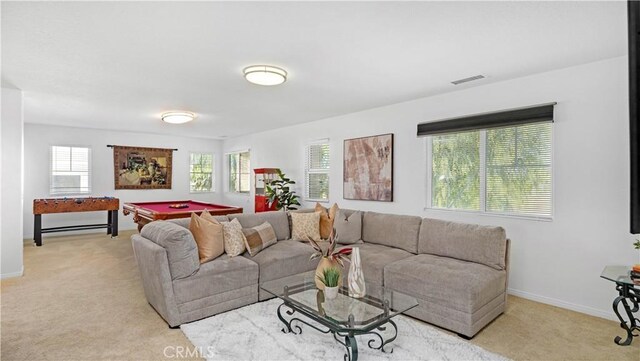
point(466, 80)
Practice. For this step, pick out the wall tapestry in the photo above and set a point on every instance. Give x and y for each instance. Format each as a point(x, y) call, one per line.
point(142, 168)
point(368, 168)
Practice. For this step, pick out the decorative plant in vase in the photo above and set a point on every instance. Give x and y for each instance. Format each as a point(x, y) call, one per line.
point(279, 192)
point(331, 257)
point(331, 281)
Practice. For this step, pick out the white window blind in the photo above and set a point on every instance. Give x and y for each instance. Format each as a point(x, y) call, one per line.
point(500, 170)
point(201, 172)
point(239, 172)
point(70, 170)
point(317, 171)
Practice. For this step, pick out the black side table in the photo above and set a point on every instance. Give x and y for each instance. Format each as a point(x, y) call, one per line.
point(628, 293)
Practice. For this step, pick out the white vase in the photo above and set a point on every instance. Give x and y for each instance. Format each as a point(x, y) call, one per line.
point(357, 288)
point(331, 292)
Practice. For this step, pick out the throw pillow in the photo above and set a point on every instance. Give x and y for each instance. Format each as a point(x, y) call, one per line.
point(259, 237)
point(326, 219)
point(233, 238)
point(209, 237)
point(305, 224)
point(349, 229)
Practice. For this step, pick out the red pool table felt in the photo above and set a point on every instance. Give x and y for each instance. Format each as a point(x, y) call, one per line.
point(163, 207)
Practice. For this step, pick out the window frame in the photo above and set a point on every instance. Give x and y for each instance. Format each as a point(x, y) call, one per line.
point(213, 172)
point(428, 148)
point(228, 172)
point(308, 171)
point(89, 171)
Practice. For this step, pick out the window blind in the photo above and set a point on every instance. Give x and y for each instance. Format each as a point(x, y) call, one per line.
point(70, 170)
point(317, 171)
point(239, 172)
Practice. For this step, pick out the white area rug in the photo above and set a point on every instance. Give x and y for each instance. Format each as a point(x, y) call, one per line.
point(254, 333)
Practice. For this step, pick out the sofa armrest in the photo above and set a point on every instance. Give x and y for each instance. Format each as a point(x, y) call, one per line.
point(156, 279)
point(507, 260)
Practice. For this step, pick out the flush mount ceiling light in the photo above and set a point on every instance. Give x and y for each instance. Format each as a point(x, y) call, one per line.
point(177, 117)
point(265, 75)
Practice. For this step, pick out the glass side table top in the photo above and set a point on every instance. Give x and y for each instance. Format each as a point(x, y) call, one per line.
point(377, 306)
point(620, 274)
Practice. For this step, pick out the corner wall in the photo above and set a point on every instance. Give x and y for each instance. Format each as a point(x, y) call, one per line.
point(557, 262)
point(38, 139)
point(11, 130)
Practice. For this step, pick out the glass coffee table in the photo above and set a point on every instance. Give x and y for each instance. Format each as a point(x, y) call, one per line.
point(345, 317)
point(628, 292)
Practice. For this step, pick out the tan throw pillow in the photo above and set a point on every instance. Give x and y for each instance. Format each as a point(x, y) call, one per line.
point(259, 237)
point(233, 238)
point(326, 219)
point(349, 229)
point(305, 224)
point(209, 237)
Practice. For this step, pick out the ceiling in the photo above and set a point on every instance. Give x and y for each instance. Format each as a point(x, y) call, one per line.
point(118, 65)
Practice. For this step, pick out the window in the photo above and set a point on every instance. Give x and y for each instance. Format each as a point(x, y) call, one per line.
point(498, 170)
point(239, 172)
point(70, 170)
point(317, 171)
point(201, 172)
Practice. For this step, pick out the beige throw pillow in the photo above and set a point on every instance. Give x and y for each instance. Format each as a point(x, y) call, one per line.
point(349, 229)
point(209, 237)
point(326, 219)
point(234, 242)
point(259, 237)
point(305, 224)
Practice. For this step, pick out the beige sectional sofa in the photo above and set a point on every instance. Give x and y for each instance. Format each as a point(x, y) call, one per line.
point(458, 272)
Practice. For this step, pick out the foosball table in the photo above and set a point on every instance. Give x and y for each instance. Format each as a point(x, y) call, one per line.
point(68, 205)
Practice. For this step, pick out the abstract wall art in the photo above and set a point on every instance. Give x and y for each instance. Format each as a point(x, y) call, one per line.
point(368, 168)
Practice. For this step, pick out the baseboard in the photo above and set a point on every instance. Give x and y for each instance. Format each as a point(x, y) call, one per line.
point(609, 315)
point(12, 274)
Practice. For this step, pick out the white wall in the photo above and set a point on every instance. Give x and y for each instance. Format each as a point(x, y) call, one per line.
point(557, 262)
point(11, 214)
point(38, 139)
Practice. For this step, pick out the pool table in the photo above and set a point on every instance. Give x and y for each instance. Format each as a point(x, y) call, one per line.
point(145, 212)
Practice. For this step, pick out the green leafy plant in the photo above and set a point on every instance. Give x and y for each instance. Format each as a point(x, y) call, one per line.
point(279, 192)
point(636, 245)
point(330, 276)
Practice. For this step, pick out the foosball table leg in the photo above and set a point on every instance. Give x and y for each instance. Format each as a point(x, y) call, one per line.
point(109, 220)
point(114, 223)
point(37, 229)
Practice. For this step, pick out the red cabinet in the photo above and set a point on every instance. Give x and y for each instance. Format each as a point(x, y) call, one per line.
point(263, 177)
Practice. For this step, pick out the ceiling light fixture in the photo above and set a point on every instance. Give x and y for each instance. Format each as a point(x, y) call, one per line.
point(177, 117)
point(265, 75)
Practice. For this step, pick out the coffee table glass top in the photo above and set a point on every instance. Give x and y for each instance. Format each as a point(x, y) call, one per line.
point(619, 274)
point(378, 306)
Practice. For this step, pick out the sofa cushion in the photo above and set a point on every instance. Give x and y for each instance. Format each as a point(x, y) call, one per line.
point(460, 285)
point(284, 258)
point(259, 237)
point(178, 242)
point(391, 230)
point(348, 227)
point(305, 225)
point(277, 219)
point(223, 274)
point(209, 236)
point(375, 258)
point(469, 242)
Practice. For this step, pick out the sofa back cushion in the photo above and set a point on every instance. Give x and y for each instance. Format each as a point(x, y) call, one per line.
point(178, 242)
point(277, 219)
point(468, 242)
point(391, 230)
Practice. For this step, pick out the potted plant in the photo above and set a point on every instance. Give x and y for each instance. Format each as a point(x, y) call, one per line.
point(331, 257)
point(331, 281)
point(279, 192)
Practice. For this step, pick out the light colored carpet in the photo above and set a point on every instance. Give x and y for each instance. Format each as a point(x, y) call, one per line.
point(217, 339)
point(81, 299)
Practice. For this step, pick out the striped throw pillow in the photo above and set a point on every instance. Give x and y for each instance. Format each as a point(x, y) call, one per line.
point(259, 237)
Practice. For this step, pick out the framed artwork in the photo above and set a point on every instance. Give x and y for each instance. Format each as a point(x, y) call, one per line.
point(368, 168)
point(142, 168)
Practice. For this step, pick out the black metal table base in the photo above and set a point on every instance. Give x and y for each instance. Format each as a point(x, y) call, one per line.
point(377, 342)
point(111, 226)
point(627, 294)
